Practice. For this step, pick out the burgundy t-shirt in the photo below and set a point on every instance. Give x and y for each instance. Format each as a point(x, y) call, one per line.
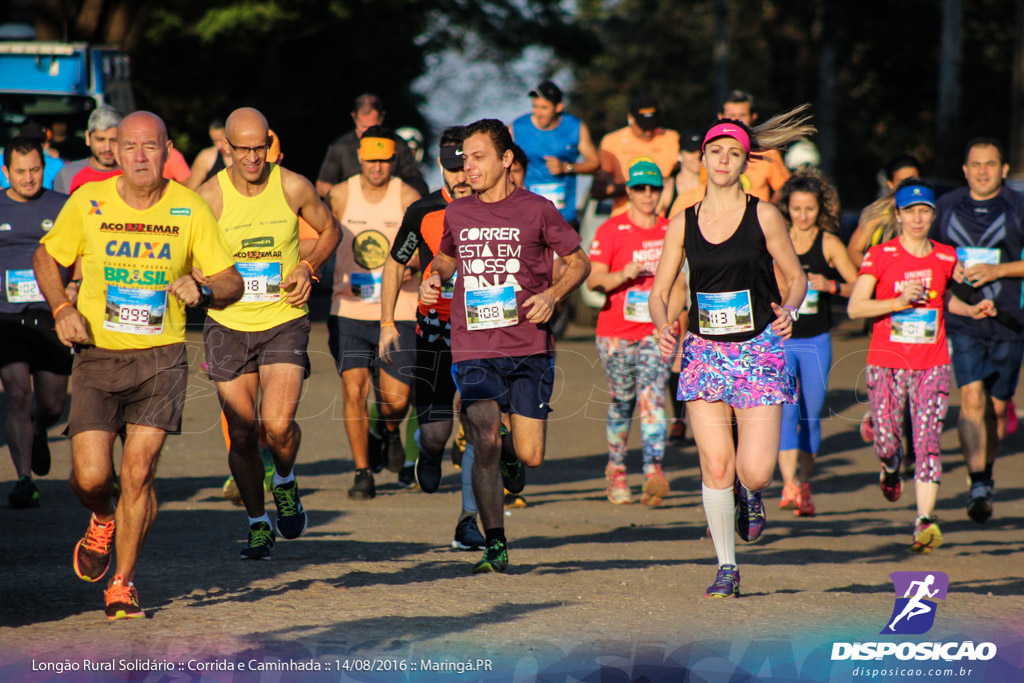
point(502, 245)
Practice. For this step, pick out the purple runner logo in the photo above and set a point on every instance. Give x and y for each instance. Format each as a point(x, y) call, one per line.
point(914, 612)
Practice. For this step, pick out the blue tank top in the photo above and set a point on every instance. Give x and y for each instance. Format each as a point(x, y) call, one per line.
point(562, 143)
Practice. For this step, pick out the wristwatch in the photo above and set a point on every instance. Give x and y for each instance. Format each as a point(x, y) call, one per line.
point(205, 297)
point(793, 312)
point(568, 168)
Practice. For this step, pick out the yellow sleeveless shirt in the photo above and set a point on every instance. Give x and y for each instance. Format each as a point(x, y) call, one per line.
point(262, 233)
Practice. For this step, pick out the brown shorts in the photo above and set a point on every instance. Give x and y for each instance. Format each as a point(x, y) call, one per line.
point(233, 353)
point(110, 389)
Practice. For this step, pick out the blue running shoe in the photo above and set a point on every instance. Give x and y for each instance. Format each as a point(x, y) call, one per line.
point(468, 536)
point(727, 583)
point(750, 515)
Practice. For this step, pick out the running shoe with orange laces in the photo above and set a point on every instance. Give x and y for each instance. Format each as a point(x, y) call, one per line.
point(92, 554)
point(655, 487)
point(804, 501)
point(122, 600)
point(618, 490)
point(789, 494)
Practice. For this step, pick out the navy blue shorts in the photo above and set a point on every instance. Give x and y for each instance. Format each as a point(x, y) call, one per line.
point(521, 385)
point(996, 363)
point(355, 344)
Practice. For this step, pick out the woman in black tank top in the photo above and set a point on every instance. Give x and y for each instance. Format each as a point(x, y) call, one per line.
point(808, 204)
point(733, 366)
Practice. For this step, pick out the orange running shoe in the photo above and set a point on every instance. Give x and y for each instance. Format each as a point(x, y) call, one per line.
point(617, 491)
point(92, 554)
point(655, 487)
point(804, 501)
point(789, 494)
point(122, 600)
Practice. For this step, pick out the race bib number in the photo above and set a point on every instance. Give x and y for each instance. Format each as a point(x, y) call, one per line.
point(135, 311)
point(491, 307)
point(972, 256)
point(809, 306)
point(635, 308)
point(22, 287)
point(262, 281)
point(553, 192)
point(724, 312)
point(448, 288)
point(915, 326)
point(367, 286)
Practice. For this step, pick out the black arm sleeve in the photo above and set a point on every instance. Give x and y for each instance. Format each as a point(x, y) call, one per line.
point(409, 237)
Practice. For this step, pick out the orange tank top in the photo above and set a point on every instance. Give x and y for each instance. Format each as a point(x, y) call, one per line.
point(368, 231)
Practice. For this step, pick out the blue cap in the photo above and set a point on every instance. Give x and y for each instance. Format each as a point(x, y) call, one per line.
point(644, 172)
point(914, 194)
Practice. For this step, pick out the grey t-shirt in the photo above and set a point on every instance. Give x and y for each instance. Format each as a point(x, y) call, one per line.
point(62, 183)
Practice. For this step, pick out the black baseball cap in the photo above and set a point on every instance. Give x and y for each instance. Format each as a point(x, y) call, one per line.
point(690, 140)
point(451, 157)
point(644, 110)
point(548, 90)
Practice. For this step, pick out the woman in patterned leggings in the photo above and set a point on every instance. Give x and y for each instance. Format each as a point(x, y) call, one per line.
point(902, 284)
point(623, 257)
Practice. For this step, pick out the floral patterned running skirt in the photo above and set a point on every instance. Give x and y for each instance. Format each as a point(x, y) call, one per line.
point(742, 374)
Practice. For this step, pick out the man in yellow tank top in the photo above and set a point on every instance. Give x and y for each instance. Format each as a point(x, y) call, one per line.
point(260, 341)
point(370, 207)
point(138, 236)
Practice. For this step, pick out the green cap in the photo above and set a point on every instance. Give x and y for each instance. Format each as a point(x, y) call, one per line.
point(644, 172)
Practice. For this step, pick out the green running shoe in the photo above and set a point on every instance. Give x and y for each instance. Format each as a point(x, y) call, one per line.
point(261, 542)
point(495, 558)
point(513, 472)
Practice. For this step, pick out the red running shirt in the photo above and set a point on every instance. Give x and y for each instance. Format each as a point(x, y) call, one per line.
point(913, 339)
point(618, 242)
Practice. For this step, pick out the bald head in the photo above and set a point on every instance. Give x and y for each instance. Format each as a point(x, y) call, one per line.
point(246, 122)
point(248, 142)
point(144, 122)
point(141, 149)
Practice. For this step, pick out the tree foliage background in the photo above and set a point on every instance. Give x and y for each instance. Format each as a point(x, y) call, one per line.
point(303, 61)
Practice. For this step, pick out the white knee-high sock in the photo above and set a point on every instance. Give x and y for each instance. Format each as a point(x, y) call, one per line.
point(719, 508)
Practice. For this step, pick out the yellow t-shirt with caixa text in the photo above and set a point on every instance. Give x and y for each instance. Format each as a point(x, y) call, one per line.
point(130, 256)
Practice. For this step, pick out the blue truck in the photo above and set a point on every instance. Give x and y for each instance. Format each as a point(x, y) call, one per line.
point(60, 83)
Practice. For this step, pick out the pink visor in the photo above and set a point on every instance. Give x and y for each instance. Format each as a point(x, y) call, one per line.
point(728, 130)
